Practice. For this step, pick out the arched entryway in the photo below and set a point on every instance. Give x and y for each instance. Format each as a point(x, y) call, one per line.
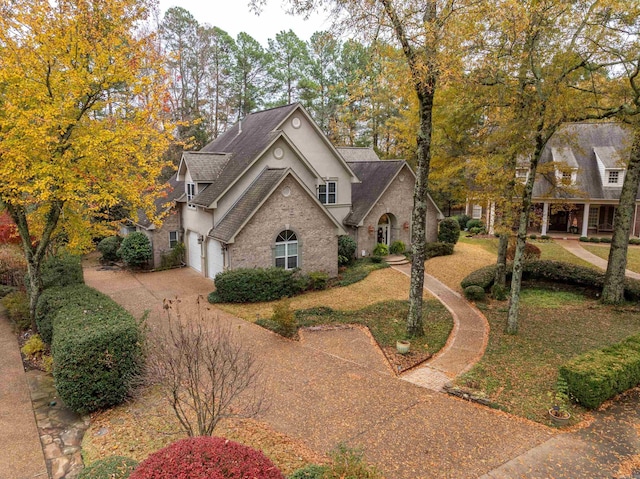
point(385, 230)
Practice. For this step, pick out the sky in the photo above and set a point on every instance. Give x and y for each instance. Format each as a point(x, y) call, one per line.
point(234, 16)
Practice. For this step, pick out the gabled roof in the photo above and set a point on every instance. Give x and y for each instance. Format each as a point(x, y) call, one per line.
point(174, 190)
point(376, 176)
point(584, 140)
point(564, 154)
point(253, 198)
point(355, 153)
point(609, 156)
point(204, 167)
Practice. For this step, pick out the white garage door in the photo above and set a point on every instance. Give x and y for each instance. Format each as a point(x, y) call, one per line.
point(215, 259)
point(194, 252)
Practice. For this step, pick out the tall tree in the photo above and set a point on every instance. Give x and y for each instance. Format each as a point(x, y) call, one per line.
point(218, 82)
point(249, 74)
point(79, 126)
point(288, 65)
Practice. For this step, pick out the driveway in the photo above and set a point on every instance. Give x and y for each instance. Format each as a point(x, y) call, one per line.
point(324, 392)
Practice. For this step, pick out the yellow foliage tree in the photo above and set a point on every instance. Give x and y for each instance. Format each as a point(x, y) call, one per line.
point(81, 99)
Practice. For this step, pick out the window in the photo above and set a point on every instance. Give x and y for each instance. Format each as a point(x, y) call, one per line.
point(476, 213)
point(614, 176)
point(173, 239)
point(566, 177)
point(286, 251)
point(594, 214)
point(191, 192)
point(327, 193)
point(521, 173)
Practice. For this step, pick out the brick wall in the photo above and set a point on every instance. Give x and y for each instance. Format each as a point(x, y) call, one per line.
point(316, 233)
point(160, 237)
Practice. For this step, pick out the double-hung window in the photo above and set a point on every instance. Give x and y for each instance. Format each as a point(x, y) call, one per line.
point(328, 193)
point(286, 252)
point(173, 239)
point(191, 192)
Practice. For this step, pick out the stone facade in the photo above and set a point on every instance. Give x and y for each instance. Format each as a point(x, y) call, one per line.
point(397, 201)
point(316, 233)
point(160, 237)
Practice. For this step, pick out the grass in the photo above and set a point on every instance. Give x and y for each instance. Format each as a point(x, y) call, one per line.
point(633, 254)
point(519, 372)
point(553, 251)
point(467, 257)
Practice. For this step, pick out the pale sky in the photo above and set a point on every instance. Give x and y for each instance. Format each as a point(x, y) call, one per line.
point(234, 16)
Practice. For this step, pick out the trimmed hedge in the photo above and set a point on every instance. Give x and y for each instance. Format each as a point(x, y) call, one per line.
point(531, 252)
point(449, 231)
point(112, 467)
point(62, 270)
point(482, 277)
point(253, 285)
point(598, 375)
point(95, 346)
point(474, 293)
point(136, 250)
point(207, 457)
point(438, 249)
point(109, 248)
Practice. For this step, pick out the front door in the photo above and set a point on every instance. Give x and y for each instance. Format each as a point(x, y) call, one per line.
point(384, 230)
point(559, 221)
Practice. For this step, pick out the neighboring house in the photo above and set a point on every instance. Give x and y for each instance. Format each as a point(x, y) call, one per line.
point(273, 191)
point(583, 167)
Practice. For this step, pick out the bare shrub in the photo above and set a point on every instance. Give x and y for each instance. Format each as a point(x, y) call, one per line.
point(202, 369)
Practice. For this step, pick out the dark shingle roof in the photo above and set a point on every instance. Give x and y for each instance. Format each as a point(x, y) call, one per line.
point(205, 167)
point(257, 192)
point(174, 190)
point(353, 153)
point(243, 142)
point(375, 177)
point(584, 139)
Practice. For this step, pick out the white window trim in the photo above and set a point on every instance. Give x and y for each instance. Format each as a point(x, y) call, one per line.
point(618, 177)
point(174, 241)
point(327, 193)
point(286, 256)
point(190, 189)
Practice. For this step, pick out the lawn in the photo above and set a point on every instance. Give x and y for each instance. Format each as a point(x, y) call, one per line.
point(519, 372)
point(602, 250)
point(468, 256)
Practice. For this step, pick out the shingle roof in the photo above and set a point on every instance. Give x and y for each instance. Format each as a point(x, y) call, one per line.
point(257, 192)
point(174, 190)
point(375, 176)
point(205, 167)
point(609, 156)
point(353, 153)
point(565, 155)
point(243, 142)
point(584, 139)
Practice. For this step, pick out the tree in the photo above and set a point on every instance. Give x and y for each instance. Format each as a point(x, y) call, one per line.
point(249, 74)
point(288, 65)
point(80, 131)
point(202, 370)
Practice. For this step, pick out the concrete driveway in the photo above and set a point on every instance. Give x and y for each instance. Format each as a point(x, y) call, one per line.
point(334, 390)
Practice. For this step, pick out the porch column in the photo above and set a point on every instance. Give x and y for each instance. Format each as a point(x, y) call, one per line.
point(585, 220)
point(545, 217)
point(492, 217)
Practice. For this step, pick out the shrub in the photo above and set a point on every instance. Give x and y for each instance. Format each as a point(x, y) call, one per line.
point(474, 293)
point(482, 277)
point(438, 249)
point(17, 304)
point(13, 266)
point(206, 458)
point(499, 292)
point(62, 270)
point(136, 250)
point(593, 239)
point(108, 247)
point(346, 249)
point(605, 240)
point(545, 237)
point(312, 471)
point(349, 463)
point(174, 257)
point(34, 347)
point(533, 237)
point(381, 250)
point(112, 467)
point(96, 349)
point(5, 290)
point(634, 241)
point(475, 230)
point(474, 223)
point(598, 375)
point(252, 285)
point(283, 316)
point(448, 231)
point(583, 239)
point(376, 259)
point(317, 281)
point(531, 252)
point(462, 221)
point(397, 247)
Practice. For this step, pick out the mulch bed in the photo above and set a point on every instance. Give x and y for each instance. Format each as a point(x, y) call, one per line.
point(403, 362)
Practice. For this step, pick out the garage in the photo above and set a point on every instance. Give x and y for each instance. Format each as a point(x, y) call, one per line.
point(194, 251)
point(215, 259)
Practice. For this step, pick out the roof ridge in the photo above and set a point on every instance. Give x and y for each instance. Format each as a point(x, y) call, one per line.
point(273, 108)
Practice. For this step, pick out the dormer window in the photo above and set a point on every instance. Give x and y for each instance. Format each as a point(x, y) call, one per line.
point(614, 177)
point(191, 192)
point(522, 174)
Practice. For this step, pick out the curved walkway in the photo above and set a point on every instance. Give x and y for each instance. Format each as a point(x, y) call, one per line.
point(466, 343)
point(575, 248)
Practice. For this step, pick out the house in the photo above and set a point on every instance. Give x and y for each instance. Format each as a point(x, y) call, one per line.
point(579, 181)
point(274, 191)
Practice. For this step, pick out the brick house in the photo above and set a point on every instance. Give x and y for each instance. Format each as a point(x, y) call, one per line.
point(274, 191)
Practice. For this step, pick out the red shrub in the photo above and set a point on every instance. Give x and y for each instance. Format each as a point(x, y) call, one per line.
point(206, 458)
point(531, 252)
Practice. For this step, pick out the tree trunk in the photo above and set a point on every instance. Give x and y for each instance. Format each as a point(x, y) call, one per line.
point(613, 290)
point(501, 265)
point(35, 289)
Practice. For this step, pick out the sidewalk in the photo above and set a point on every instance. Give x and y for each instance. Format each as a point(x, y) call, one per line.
point(575, 248)
point(22, 456)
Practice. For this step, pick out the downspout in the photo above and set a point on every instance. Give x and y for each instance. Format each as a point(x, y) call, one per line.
point(635, 219)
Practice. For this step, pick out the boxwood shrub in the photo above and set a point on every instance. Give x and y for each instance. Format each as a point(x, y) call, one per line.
point(449, 231)
point(109, 248)
point(252, 285)
point(112, 467)
point(95, 346)
point(474, 293)
point(62, 270)
point(598, 375)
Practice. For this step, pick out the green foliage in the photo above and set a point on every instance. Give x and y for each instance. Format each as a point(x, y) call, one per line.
point(96, 348)
point(476, 230)
point(174, 257)
point(533, 237)
point(499, 292)
point(136, 250)
point(474, 223)
point(346, 249)
point(474, 293)
point(634, 241)
point(317, 281)
point(376, 259)
point(5, 290)
point(545, 237)
point(438, 249)
point(284, 319)
point(112, 467)
point(583, 239)
point(109, 248)
point(397, 247)
point(62, 270)
point(359, 270)
point(253, 285)
point(605, 239)
point(17, 305)
point(482, 277)
point(312, 471)
point(462, 221)
point(593, 239)
point(381, 250)
point(33, 347)
point(598, 375)
point(347, 463)
point(449, 231)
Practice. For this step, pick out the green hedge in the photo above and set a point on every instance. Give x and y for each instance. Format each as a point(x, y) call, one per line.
point(449, 231)
point(438, 249)
point(482, 277)
point(252, 285)
point(95, 346)
point(598, 375)
point(62, 270)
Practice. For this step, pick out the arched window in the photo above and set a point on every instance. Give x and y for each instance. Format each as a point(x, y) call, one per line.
point(286, 252)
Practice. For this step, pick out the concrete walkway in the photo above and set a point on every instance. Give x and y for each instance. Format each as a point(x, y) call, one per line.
point(575, 248)
point(466, 343)
point(22, 456)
